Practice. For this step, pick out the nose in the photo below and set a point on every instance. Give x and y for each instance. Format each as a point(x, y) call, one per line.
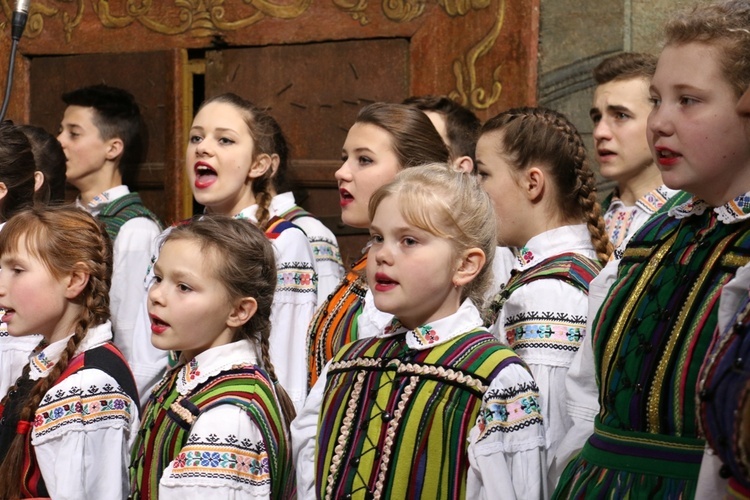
point(659, 122)
point(343, 173)
point(382, 253)
point(155, 296)
point(203, 148)
point(602, 131)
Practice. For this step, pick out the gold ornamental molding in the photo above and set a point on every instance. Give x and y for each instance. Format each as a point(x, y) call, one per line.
point(400, 11)
point(468, 92)
point(355, 8)
point(199, 18)
point(207, 18)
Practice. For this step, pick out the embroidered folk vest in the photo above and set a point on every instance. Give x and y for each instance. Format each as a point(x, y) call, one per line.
point(335, 322)
point(168, 419)
point(395, 422)
point(652, 332)
point(115, 214)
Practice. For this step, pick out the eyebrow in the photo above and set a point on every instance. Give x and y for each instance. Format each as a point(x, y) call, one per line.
point(217, 129)
point(359, 150)
point(612, 108)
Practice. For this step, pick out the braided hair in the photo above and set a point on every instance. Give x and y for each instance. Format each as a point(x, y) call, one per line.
point(65, 239)
point(246, 266)
point(545, 137)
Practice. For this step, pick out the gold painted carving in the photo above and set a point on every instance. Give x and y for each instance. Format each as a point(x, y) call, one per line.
point(200, 18)
point(355, 8)
point(400, 11)
point(37, 13)
point(403, 11)
point(467, 92)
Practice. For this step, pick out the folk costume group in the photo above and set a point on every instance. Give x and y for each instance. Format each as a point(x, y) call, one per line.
point(232, 355)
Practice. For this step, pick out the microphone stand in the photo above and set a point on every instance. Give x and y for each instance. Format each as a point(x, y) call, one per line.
point(19, 23)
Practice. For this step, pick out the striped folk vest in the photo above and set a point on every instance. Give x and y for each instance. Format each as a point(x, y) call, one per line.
point(572, 268)
point(335, 322)
point(395, 422)
point(121, 210)
point(652, 334)
point(168, 419)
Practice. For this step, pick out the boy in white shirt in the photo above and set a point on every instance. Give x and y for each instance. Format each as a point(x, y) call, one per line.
point(101, 136)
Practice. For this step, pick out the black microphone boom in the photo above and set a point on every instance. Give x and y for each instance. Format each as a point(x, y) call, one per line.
point(18, 23)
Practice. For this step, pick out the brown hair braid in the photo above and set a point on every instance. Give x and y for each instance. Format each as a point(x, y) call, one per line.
point(65, 239)
point(262, 129)
point(244, 263)
point(545, 137)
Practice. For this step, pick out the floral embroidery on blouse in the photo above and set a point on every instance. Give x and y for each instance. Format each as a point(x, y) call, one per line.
point(393, 327)
point(508, 410)
point(425, 335)
point(525, 256)
point(735, 210)
point(545, 330)
point(326, 250)
point(296, 277)
point(77, 407)
point(242, 461)
point(41, 362)
point(190, 371)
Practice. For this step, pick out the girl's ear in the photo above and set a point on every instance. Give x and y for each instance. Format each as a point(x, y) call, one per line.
point(275, 162)
point(38, 180)
point(534, 183)
point(260, 166)
point(77, 281)
point(464, 164)
point(472, 261)
point(242, 311)
point(3, 190)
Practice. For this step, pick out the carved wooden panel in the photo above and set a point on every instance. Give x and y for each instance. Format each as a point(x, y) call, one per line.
point(482, 52)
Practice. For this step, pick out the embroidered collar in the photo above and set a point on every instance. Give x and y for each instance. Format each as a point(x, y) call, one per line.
point(249, 213)
point(213, 361)
point(438, 332)
point(101, 200)
point(649, 202)
point(563, 239)
point(41, 362)
point(733, 211)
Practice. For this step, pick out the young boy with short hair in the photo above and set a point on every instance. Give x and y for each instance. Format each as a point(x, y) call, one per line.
point(620, 109)
point(100, 134)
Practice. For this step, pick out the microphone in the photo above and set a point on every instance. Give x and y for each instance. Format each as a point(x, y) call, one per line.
point(18, 23)
point(20, 14)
